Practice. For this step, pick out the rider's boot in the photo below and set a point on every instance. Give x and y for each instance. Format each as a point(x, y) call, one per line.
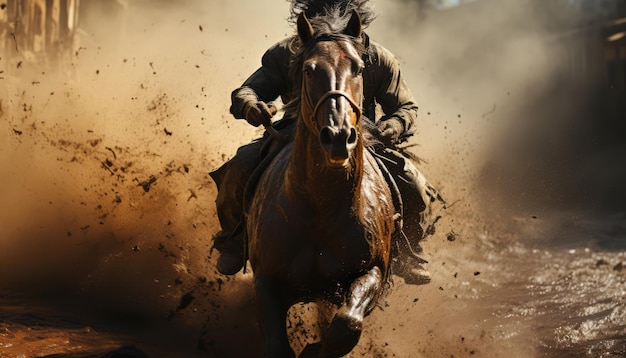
point(231, 258)
point(417, 276)
point(409, 264)
point(414, 272)
point(231, 179)
point(417, 196)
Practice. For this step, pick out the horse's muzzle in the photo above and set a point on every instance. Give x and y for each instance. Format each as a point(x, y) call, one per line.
point(338, 144)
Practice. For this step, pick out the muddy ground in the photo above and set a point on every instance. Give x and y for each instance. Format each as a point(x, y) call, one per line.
point(107, 209)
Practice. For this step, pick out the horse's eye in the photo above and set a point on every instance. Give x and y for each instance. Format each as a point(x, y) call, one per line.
point(358, 69)
point(309, 69)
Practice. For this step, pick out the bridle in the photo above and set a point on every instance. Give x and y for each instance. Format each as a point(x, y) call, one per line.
point(312, 123)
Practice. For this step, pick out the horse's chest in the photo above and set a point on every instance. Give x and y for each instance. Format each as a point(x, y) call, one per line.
point(330, 259)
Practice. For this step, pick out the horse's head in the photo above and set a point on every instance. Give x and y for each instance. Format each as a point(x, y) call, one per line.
point(332, 87)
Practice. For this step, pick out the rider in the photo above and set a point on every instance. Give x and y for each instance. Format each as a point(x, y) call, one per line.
point(382, 85)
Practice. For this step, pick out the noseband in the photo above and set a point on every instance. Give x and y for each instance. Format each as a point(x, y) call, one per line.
point(312, 124)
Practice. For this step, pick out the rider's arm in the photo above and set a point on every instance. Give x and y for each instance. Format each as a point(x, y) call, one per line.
point(266, 84)
point(392, 92)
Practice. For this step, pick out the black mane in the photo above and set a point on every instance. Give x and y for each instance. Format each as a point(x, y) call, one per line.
point(314, 8)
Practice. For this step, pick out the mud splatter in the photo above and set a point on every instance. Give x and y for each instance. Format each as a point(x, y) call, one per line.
point(108, 212)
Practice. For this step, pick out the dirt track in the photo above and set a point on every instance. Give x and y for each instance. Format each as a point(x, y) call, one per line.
point(107, 213)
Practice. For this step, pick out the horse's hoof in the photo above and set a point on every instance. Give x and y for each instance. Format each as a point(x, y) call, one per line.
point(342, 335)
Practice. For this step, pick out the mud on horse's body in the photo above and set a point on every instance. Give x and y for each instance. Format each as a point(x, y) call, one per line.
point(321, 220)
point(389, 109)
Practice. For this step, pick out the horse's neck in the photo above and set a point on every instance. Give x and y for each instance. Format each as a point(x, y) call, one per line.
point(309, 176)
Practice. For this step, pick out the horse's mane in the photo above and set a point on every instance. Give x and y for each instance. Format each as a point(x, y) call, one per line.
point(328, 26)
point(314, 8)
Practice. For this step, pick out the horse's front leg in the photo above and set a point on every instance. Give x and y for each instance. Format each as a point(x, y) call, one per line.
point(273, 318)
point(346, 327)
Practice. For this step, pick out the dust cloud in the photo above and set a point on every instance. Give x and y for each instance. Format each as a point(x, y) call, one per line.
point(113, 148)
point(497, 96)
point(105, 156)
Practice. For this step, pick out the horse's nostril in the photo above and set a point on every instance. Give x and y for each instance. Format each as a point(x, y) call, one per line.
point(326, 136)
point(352, 137)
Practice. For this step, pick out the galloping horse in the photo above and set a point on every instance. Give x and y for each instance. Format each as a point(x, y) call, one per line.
point(320, 223)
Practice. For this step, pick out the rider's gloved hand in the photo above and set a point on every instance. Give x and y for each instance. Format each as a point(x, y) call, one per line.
point(390, 130)
point(259, 113)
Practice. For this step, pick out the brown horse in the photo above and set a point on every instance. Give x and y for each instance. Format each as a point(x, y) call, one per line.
point(320, 223)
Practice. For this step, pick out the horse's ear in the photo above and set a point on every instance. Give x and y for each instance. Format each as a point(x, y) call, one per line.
point(355, 27)
point(305, 30)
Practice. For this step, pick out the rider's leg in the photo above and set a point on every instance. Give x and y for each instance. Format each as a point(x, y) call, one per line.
point(231, 179)
point(417, 195)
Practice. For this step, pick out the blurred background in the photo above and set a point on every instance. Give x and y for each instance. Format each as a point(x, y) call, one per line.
point(112, 113)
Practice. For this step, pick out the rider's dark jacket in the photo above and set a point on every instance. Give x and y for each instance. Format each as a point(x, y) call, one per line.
point(382, 84)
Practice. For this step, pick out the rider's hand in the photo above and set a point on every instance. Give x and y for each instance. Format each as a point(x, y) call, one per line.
point(259, 113)
point(390, 130)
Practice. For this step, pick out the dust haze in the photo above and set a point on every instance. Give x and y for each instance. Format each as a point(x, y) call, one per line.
point(497, 98)
point(105, 160)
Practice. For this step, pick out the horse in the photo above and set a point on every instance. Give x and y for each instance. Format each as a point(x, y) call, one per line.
point(320, 220)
